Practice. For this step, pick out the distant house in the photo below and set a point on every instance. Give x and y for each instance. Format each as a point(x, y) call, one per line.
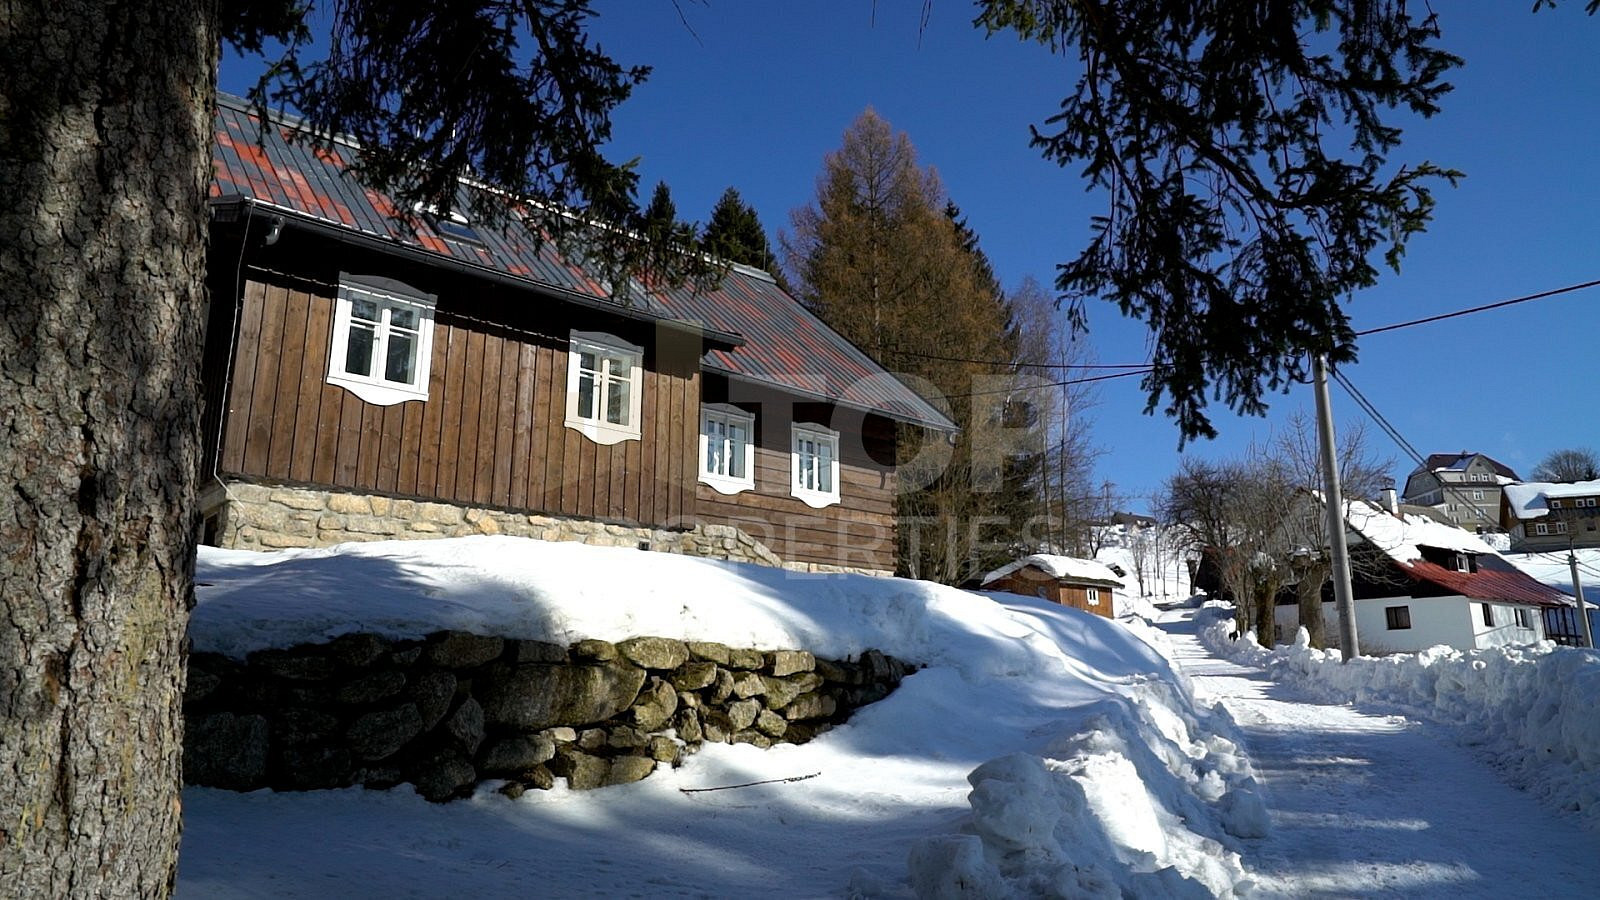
point(1079, 583)
point(1551, 516)
point(1464, 487)
point(367, 378)
point(1419, 583)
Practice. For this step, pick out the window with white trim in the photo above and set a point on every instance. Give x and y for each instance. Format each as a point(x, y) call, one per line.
point(1541, 528)
point(727, 449)
point(814, 465)
point(604, 385)
point(1093, 595)
point(382, 340)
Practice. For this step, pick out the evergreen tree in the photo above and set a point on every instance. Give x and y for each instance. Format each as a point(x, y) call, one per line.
point(1238, 224)
point(661, 213)
point(105, 159)
point(734, 233)
point(881, 257)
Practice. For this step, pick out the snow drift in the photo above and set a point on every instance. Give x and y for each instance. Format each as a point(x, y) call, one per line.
point(1091, 771)
point(1530, 708)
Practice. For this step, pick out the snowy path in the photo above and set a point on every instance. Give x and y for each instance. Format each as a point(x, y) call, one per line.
point(1377, 805)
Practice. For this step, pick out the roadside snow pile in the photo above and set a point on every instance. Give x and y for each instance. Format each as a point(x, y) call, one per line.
point(1091, 771)
point(1530, 708)
point(1137, 800)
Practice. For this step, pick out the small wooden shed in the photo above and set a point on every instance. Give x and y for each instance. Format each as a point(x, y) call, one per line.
point(1079, 583)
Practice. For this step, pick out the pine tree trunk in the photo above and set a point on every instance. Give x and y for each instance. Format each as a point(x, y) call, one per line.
point(105, 125)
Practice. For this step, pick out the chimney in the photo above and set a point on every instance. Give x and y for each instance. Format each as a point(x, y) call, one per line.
point(1391, 501)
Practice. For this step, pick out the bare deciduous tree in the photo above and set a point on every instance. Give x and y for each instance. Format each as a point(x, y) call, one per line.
point(1571, 464)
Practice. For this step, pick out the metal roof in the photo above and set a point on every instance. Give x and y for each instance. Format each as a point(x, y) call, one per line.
point(785, 345)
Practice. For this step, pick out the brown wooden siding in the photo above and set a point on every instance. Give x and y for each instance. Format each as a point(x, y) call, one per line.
point(857, 532)
point(1031, 582)
point(490, 434)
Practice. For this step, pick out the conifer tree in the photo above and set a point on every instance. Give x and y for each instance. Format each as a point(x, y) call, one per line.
point(885, 259)
point(734, 233)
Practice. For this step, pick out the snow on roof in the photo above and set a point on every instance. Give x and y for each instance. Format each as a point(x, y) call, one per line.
point(1528, 498)
point(1402, 537)
point(1572, 489)
point(1058, 567)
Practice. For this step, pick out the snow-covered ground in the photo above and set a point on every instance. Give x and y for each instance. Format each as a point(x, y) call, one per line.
point(1374, 799)
point(1041, 752)
point(1552, 568)
point(1041, 749)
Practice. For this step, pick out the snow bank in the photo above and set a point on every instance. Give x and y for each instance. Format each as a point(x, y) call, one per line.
point(565, 592)
point(1091, 771)
point(1137, 795)
point(1530, 708)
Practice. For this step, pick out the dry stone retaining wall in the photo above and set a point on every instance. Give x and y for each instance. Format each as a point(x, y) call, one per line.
point(454, 709)
point(274, 517)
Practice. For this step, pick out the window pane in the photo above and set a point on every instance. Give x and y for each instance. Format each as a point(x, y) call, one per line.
point(402, 354)
point(588, 361)
point(617, 401)
point(737, 441)
point(358, 350)
point(621, 364)
point(825, 466)
point(587, 397)
point(366, 310)
point(403, 317)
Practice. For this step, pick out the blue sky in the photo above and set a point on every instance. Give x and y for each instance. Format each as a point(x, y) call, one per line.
point(758, 92)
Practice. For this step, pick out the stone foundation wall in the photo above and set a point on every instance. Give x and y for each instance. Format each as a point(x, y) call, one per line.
point(268, 517)
point(448, 711)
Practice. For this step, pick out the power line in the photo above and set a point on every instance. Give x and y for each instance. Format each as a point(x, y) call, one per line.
point(1017, 365)
point(1028, 387)
point(1399, 439)
point(1555, 292)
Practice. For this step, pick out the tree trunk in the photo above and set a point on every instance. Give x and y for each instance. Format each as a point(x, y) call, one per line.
point(105, 129)
point(1309, 593)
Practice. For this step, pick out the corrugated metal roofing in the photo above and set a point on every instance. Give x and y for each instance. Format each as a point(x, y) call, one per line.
point(786, 345)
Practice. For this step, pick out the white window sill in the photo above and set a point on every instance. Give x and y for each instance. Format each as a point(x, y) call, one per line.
point(602, 432)
point(725, 485)
point(378, 393)
point(814, 499)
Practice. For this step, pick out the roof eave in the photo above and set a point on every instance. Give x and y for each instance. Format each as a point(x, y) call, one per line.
point(945, 427)
point(380, 244)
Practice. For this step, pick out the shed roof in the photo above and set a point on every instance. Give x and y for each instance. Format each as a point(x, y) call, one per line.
point(1062, 568)
point(786, 346)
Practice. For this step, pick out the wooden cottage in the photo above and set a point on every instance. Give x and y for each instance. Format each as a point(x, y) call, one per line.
point(1079, 583)
point(365, 380)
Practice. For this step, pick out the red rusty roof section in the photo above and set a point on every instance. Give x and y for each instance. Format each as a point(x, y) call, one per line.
point(786, 345)
point(1495, 579)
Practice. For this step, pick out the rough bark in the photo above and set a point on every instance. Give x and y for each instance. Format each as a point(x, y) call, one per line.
point(105, 123)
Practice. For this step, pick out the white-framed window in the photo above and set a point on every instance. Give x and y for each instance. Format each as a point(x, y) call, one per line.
point(1541, 528)
point(604, 385)
point(814, 465)
point(1561, 528)
point(1477, 495)
point(1524, 617)
point(727, 448)
point(382, 339)
point(1093, 595)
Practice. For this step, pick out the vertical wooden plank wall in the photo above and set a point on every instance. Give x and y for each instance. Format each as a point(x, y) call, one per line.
point(490, 434)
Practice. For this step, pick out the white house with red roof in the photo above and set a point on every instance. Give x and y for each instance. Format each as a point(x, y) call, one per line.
point(1419, 583)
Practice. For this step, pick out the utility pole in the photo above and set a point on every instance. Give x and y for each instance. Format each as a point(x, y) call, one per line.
point(1333, 503)
point(1577, 589)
